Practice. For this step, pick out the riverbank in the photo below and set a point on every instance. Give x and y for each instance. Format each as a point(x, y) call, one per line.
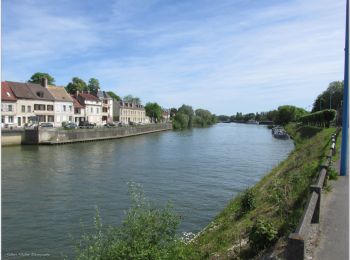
point(265, 214)
point(62, 136)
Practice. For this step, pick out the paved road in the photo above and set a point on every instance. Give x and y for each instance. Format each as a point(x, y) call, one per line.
point(334, 222)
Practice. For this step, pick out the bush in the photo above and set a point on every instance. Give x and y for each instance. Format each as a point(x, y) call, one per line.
point(248, 201)
point(332, 174)
point(262, 235)
point(320, 118)
point(146, 233)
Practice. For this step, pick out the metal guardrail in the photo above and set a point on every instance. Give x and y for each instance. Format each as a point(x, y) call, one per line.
point(297, 240)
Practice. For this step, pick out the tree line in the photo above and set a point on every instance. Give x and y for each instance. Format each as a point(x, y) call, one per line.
point(328, 100)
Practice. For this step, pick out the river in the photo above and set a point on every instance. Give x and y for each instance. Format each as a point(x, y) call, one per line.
point(48, 191)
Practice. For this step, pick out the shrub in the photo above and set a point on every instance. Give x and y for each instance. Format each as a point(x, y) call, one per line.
point(262, 235)
point(248, 201)
point(332, 174)
point(146, 233)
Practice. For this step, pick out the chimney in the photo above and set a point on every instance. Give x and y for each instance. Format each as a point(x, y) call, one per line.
point(44, 82)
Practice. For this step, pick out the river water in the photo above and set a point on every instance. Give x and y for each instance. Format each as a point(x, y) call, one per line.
point(48, 191)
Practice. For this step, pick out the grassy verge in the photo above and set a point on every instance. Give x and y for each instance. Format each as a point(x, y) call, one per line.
point(253, 221)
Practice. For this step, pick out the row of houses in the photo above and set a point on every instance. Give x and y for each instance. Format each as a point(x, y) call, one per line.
point(23, 103)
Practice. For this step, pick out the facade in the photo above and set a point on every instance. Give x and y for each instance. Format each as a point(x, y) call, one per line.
point(126, 112)
point(92, 106)
point(79, 111)
point(107, 106)
point(64, 110)
point(166, 114)
point(8, 106)
point(34, 103)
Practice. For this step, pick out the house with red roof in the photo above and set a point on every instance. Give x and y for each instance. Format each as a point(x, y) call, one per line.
point(92, 107)
point(8, 106)
point(79, 111)
point(34, 102)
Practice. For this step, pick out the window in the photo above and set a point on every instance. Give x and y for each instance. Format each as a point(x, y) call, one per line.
point(39, 107)
point(10, 108)
point(10, 119)
point(41, 118)
point(29, 109)
point(40, 94)
point(70, 118)
point(92, 110)
point(23, 109)
point(50, 119)
point(96, 110)
point(24, 119)
point(49, 107)
point(70, 109)
point(64, 108)
point(2, 119)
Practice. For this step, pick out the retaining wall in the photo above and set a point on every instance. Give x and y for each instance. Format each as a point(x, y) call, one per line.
point(61, 136)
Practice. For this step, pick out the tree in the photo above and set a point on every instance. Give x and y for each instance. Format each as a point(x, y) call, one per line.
point(180, 121)
point(114, 96)
point(77, 84)
point(38, 76)
point(93, 85)
point(131, 99)
point(154, 111)
point(187, 110)
point(330, 98)
point(286, 114)
point(173, 112)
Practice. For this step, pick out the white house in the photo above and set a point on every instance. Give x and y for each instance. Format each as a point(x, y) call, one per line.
point(64, 110)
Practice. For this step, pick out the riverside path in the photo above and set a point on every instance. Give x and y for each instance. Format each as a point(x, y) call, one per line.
point(334, 222)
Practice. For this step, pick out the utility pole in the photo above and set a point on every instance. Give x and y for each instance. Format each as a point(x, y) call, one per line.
point(344, 166)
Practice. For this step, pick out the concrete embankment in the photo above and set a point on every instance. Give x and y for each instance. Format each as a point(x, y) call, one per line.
point(61, 136)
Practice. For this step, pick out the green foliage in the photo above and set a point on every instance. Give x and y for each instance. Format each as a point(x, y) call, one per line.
point(223, 118)
point(38, 76)
point(332, 174)
point(331, 98)
point(180, 121)
point(173, 112)
point(132, 99)
point(154, 111)
point(113, 95)
point(320, 118)
point(77, 84)
point(248, 201)
point(262, 235)
point(146, 232)
point(203, 118)
point(93, 85)
point(187, 110)
point(185, 118)
point(286, 114)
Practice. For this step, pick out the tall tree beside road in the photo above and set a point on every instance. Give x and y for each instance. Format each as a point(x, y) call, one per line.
point(38, 76)
point(77, 84)
point(93, 85)
point(154, 111)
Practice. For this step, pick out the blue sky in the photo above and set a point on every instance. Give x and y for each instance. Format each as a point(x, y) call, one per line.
point(227, 56)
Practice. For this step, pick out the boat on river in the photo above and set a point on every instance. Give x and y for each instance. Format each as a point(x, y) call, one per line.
point(279, 132)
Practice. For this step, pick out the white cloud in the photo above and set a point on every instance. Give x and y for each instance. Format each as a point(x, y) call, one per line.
point(222, 59)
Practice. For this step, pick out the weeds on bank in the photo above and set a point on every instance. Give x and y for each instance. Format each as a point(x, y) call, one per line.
point(272, 208)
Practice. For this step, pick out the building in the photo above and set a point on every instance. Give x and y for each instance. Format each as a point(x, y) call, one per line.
point(63, 105)
point(79, 111)
point(107, 106)
point(127, 112)
point(92, 106)
point(8, 106)
point(165, 114)
point(34, 102)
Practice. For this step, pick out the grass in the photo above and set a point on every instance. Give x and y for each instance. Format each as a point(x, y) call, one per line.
point(279, 197)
